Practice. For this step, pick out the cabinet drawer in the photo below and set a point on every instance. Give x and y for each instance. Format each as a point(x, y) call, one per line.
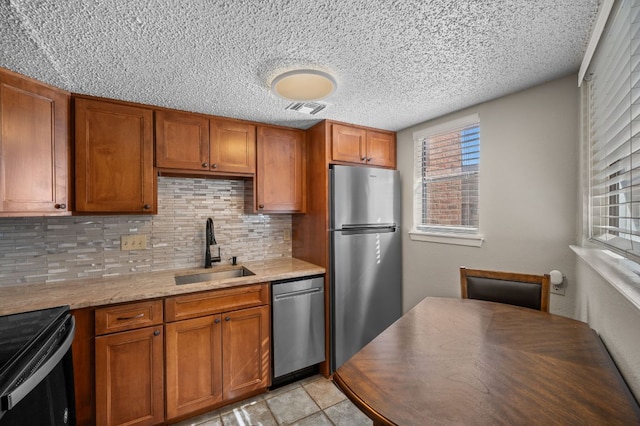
point(215, 301)
point(128, 317)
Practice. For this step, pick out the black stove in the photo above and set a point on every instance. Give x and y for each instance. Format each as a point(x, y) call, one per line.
point(36, 369)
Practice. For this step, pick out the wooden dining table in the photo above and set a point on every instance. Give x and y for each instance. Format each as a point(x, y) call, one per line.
point(470, 362)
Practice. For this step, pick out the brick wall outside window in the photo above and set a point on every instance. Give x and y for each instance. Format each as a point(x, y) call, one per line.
point(449, 164)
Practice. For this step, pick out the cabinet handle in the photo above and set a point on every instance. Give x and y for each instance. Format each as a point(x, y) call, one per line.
point(261, 206)
point(214, 165)
point(216, 321)
point(140, 315)
point(156, 332)
point(205, 164)
point(227, 318)
point(370, 158)
point(60, 206)
point(146, 207)
point(363, 158)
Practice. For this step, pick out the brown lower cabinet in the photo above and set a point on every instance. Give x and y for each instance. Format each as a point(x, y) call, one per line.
point(194, 364)
point(129, 377)
point(163, 360)
point(215, 358)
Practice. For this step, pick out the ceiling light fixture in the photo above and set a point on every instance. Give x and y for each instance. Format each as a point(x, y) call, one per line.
point(303, 85)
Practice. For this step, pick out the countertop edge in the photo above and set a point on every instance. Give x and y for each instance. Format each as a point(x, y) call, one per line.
point(92, 292)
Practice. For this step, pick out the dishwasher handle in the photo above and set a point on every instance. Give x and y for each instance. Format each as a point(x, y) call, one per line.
point(297, 293)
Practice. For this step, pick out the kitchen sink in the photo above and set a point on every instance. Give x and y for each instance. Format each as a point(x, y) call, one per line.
point(213, 276)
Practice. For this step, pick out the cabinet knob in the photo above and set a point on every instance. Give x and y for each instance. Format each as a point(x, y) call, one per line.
point(363, 158)
point(227, 318)
point(214, 165)
point(205, 164)
point(370, 158)
point(146, 207)
point(156, 332)
point(216, 321)
point(60, 206)
point(261, 206)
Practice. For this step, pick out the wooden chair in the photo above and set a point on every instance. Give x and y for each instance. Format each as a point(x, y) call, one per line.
point(527, 290)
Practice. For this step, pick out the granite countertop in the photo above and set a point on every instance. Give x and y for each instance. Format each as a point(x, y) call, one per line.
point(88, 292)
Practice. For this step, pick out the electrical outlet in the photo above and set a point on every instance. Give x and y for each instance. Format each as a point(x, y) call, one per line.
point(286, 235)
point(133, 242)
point(558, 289)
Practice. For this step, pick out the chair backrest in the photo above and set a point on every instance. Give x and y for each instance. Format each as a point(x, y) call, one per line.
point(527, 290)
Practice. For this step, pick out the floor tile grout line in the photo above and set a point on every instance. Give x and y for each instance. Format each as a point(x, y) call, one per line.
point(320, 409)
point(220, 414)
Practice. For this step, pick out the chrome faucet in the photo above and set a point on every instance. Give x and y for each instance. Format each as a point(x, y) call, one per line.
point(211, 241)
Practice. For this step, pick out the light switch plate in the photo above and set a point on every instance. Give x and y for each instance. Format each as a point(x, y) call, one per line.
point(133, 242)
point(286, 235)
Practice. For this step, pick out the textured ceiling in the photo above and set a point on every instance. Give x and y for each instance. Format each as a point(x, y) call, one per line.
point(397, 63)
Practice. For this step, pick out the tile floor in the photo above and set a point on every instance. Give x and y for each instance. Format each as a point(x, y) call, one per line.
point(308, 402)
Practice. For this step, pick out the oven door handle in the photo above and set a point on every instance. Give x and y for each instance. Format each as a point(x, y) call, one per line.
point(15, 396)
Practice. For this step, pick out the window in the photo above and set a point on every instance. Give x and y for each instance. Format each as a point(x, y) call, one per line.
point(447, 161)
point(614, 134)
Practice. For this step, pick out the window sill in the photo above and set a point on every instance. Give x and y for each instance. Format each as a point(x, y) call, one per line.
point(621, 273)
point(468, 240)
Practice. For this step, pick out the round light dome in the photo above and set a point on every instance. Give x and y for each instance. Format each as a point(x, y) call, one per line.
point(303, 85)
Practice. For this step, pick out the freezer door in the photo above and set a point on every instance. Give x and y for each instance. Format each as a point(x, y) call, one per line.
point(366, 289)
point(364, 195)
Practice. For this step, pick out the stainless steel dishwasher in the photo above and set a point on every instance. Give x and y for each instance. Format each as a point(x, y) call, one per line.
point(298, 324)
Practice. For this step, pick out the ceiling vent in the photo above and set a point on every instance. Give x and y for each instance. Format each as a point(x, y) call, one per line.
point(311, 108)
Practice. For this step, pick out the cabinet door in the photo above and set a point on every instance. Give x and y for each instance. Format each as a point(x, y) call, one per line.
point(348, 144)
point(114, 158)
point(281, 171)
point(129, 378)
point(193, 365)
point(182, 141)
point(34, 147)
point(246, 354)
point(233, 147)
point(381, 149)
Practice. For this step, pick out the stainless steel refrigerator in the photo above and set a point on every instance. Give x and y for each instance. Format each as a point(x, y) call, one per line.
point(366, 277)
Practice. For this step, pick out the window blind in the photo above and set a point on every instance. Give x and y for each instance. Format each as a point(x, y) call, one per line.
point(614, 133)
point(447, 171)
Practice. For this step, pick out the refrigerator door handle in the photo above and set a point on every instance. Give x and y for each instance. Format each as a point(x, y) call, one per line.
point(368, 225)
point(376, 230)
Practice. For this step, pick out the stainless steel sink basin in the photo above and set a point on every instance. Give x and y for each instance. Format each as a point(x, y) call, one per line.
point(213, 276)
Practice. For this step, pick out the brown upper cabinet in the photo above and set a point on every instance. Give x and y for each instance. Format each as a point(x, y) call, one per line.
point(34, 147)
point(280, 185)
point(114, 158)
point(195, 143)
point(233, 147)
point(182, 141)
point(362, 146)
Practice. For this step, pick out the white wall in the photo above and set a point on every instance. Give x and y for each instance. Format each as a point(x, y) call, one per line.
point(529, 168)
point(614, 318)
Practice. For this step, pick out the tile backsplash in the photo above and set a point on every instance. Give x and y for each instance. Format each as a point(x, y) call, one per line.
point(48, 249)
